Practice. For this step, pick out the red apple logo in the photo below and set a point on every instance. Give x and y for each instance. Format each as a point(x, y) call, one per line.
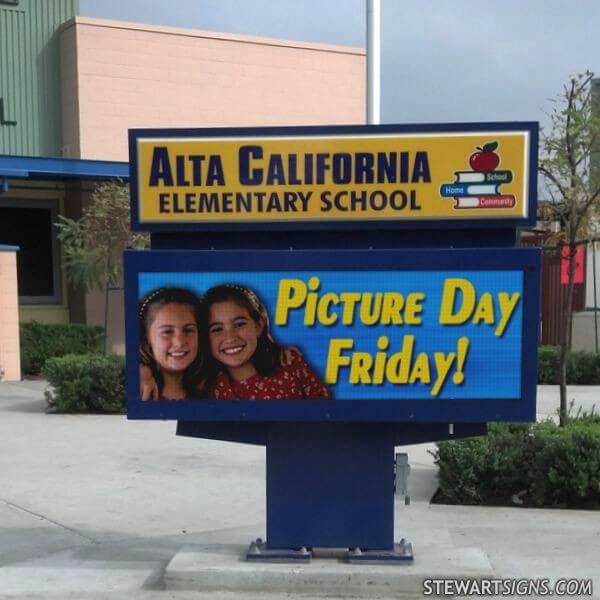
point(485, 159)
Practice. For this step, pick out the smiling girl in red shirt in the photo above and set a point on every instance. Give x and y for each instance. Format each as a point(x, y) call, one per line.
point(243, 362)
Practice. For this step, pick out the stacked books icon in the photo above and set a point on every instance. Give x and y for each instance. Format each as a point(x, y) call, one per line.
point(479, 189)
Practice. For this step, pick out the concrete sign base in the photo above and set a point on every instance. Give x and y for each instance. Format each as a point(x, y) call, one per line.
point(224, 568)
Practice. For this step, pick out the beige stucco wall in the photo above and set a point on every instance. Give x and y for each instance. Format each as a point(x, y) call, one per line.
point(584, 334)
point(119, 75)
point(10, 360)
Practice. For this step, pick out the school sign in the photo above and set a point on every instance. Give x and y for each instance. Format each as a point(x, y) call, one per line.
point(334, 176)
point(332, 293)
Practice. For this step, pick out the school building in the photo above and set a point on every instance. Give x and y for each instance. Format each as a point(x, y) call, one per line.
point(71, 87)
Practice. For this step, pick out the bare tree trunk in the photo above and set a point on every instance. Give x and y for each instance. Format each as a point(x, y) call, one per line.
point(106, 299)
point(567, 331)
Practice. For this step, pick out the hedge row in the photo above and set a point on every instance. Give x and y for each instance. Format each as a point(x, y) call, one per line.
point(93, 382)
point(536, 465)
point(41, 341)
point(583, 368)
point(86, 383)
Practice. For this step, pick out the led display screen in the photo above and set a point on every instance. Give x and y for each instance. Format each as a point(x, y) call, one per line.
point(326, 336)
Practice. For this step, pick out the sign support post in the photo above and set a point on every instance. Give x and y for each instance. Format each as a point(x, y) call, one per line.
point(331, 485)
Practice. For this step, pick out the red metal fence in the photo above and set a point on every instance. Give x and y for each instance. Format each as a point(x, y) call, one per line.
point(554, 295)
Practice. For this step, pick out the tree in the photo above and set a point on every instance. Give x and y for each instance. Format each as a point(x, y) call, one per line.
point(569, 148)
point(93, 245)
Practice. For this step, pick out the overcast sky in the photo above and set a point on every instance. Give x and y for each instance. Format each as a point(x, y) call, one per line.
point(442, 60)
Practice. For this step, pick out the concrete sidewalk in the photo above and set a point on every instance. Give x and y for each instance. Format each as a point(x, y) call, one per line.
point(95, 507)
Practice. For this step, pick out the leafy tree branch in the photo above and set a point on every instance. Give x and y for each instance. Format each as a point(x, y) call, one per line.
point(566, 160)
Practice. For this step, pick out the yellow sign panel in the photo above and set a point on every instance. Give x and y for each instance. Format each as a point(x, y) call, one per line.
point(386, 177)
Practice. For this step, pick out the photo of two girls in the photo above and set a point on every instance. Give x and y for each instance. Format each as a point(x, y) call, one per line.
point(218, 347)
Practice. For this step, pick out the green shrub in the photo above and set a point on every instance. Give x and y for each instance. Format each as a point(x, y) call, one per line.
point(565, 464)
point(41, 341)
point(583, 368)
point(86, 383)
point(543, 464)
point(548, 364)
point(480, 470)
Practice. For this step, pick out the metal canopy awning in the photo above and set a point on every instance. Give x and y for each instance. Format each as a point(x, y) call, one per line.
point(28, 167)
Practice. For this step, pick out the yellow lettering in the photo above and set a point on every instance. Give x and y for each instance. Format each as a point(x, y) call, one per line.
point(349, 299)
point(420, 371)
point(391, 311)
point(397, 369)
point(507, 308)
point(370, 308)
point(359, 371)
point(383, 343)
point(291, 294)
point(485, 310)
point(448, 316)
point(335, 358)
point(413, 308)
point(311, 301)
point(323, 315)
point(442, 366)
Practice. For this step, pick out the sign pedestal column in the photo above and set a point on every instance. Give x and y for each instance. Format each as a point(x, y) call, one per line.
point(330, 486)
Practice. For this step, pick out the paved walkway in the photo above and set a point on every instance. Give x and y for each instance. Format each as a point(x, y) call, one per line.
point(95, 506)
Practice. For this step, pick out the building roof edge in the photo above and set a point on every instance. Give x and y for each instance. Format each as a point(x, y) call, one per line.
point(232, 37)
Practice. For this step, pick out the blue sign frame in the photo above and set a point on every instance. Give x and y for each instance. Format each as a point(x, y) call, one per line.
point(526, 260)
point(402, 224)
